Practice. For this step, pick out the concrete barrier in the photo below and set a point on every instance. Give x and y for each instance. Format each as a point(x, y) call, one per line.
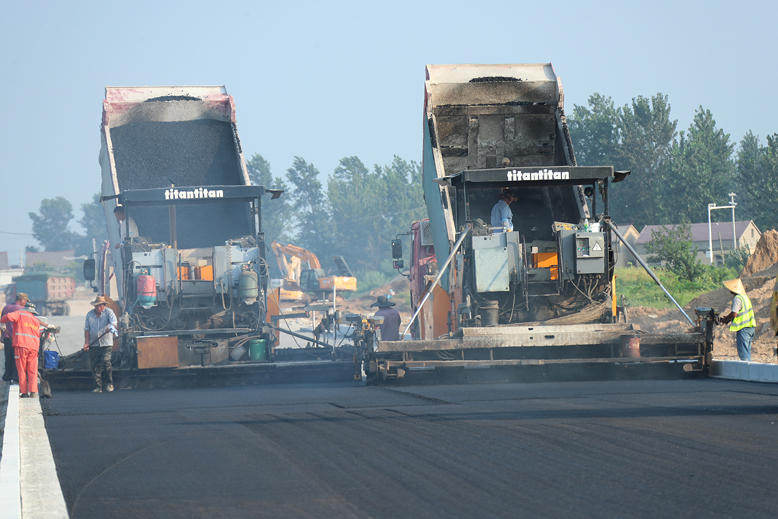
point(40, 489)
point(10, 464)
point(740, 370)
point(29, 486)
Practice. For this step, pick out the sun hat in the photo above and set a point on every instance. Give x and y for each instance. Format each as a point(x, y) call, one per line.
point(99, 300)
point(736, 286)
point(383, 302)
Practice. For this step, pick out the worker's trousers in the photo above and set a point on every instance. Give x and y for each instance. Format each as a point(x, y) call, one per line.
point(743, 337)
point(100, 356)
point(27, 366)
point(10, 360)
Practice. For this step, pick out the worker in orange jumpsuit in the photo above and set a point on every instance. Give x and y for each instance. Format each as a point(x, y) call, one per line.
point(26, 342)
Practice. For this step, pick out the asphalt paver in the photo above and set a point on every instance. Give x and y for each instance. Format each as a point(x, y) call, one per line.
point(675, 448)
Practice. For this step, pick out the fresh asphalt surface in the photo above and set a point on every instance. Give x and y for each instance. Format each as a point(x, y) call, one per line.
point(677, 448)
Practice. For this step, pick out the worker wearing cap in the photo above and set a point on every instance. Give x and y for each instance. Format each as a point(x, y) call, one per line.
point(502, 216)
point(99, 329)
point(8, 333)
point(26, 343)
point(741, 317)
point(121, 215)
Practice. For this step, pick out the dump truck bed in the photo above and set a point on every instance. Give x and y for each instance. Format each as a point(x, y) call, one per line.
point(173, 136)
point(493, 116)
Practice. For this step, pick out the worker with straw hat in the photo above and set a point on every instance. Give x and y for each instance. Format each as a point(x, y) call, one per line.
point(741, 317)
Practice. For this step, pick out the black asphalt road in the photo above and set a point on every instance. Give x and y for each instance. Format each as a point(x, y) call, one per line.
point(691, 448)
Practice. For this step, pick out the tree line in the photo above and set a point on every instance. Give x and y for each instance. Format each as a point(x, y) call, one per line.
point(356, 215)
point(675, 174)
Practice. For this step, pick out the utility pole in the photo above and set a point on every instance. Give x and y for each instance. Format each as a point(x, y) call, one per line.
point(731, 205)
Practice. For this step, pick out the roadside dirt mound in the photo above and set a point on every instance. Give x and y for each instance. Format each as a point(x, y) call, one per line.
point(764, 260)
point(721, 298)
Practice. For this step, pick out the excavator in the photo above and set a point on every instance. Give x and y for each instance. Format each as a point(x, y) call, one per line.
point(303, 273)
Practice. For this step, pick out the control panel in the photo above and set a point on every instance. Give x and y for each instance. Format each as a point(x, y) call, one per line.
point(590, 253)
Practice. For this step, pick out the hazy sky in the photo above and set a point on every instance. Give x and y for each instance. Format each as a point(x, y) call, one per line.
point(326, 80)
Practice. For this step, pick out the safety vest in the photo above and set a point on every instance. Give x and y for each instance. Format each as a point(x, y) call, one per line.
point(745, 317)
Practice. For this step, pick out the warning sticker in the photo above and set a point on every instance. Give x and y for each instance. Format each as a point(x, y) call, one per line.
point(597, 246)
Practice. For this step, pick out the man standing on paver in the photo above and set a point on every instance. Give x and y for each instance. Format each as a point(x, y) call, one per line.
point(26, 342)
point(741, 317)
point(390, 330)
point(121, 215)
point(99, 330)
point(502, 216)
point(8, 333)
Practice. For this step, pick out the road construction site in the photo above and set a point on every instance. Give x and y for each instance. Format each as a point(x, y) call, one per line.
point(186, 270)
point(624, 418)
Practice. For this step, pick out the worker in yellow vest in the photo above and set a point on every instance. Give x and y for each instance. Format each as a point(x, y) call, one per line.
point(741, 317)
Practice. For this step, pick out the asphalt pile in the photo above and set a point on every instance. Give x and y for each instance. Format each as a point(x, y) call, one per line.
point(153, 154)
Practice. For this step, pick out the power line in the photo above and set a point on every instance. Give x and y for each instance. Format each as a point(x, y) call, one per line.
point(17, 233)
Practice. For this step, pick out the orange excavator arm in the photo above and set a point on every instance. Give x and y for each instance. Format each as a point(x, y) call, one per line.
point(305, 256)
point(315, 282)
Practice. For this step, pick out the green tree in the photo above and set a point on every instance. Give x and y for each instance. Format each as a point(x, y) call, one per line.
point(594, 131)
point(757, 175)
point(371, 208)
point(737, 258)
point(276, 214)
point(50, 224)
point(94, 226)
point(703, 171)
point(309, 207)
point(674, 247)
point(355, 199)
point(646, 135)
point(404, 195)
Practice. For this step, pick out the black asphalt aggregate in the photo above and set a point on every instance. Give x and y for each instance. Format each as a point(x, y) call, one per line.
point(669, 448)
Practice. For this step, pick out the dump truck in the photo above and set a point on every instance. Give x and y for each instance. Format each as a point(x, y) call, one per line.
point(50, 292)
point(192, 286)
point(186, 273)
point(541, 294)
